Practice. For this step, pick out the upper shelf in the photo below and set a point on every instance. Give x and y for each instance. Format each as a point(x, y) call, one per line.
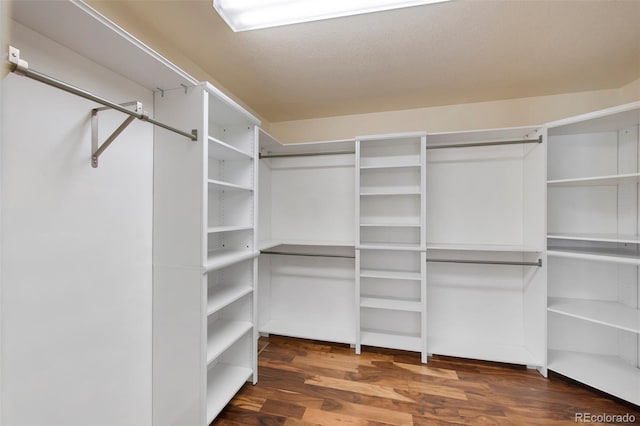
point(597, 180)
point(597, 255)
point(609, 119)
point(600, 238)
point(223, 151)
point(484, 247)
point(226, 186)
point(81, 28)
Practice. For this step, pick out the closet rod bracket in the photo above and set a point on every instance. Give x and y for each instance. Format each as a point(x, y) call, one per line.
point(96, 148)
point(17, 65)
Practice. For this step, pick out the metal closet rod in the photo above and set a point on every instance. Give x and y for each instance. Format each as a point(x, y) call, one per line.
point(21, 67)
point(488, 143)
point(488, 262)
point(283, 253)
point(304, 154)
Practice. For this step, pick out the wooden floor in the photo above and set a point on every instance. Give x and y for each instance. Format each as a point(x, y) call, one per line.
point(302, 382)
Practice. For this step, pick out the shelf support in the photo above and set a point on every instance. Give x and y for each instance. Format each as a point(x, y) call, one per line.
point(21, 67)
point(96, 148)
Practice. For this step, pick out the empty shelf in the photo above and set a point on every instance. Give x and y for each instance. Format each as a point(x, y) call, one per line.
point(484, 247)
point(217, 229)
point(487, 351)
point(383, 192)
point(223, 295)
point(310, 330)
point(391, 304)
point(396, 165)
point(220, 150)
point(221, 334)
point(220, 258)
point(226, 186)
point(601, 238)
point(607, 373)
point(223, 382)
point(390, 246)
point(389, 274)
point(595, 255)
point(597, 180)
point(612, 314)
point(387, 339)
point(389, 225)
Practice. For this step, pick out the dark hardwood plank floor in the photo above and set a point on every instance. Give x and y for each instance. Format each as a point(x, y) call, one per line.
point(302, 382)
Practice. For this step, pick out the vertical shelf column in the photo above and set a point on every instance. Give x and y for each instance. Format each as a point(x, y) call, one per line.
point(391, 242)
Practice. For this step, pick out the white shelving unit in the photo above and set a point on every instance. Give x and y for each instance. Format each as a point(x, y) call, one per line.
point(390, 242)
point(594, 250)
point(306, 237)
point(205, 256)
point(486, 293)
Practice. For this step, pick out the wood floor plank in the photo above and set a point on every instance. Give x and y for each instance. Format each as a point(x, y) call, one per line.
point(357, 387)
point(428, 371)
point(306, 383)
point(368, 412)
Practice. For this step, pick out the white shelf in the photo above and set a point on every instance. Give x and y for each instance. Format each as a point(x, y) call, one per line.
point(487, 351)
point(595, 255)
point(395, 165)
point(224, 295)
point(223, 382)
point(484, 247)
point(220, 150)
point(389, 225)
point(607, 373)
point(385, 192)
point(597, 180)
point(219, 229)
point(388, 274)
point(612, 314)
point(603, 238)
point(310, 330)
point(222, 334)
point(220, 258)
point(390, 246)
point(385, 339)
point(391, 304)
point(226, 186)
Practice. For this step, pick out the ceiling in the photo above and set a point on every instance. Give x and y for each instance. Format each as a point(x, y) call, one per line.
point(440, 54)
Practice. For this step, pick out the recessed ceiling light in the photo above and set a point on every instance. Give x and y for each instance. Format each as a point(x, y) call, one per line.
point(243, 15)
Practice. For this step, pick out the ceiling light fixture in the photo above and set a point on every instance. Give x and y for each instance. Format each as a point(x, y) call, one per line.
point(243, 15)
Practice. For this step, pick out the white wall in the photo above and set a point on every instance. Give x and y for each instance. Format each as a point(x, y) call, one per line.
point(76, 249)
point(452, 118)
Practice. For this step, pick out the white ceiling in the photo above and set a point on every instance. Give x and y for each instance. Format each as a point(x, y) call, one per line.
point(441, 54)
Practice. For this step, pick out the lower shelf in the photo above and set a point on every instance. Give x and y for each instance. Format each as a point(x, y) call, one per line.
point(607, 373)
point(485, 351)
point(384, 339)
point(307, 330)
point(223, 382)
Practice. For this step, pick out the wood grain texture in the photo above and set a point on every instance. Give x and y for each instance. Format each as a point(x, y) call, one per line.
point(303, 383)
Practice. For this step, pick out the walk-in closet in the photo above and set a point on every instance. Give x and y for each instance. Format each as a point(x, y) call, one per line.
point(409, 215)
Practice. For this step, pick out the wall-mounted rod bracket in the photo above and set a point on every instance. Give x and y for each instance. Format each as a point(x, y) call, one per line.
point(96, 148)
point(21, 67)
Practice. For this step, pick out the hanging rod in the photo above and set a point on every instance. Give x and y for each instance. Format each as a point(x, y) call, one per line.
point(282, 253)
point(21, 67)
point(489, 143)
point(304, 154)
point(488, 262)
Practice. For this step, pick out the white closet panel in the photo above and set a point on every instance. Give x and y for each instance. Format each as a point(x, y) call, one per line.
point(593, 315)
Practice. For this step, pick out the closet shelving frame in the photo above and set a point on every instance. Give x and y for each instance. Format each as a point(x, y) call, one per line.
point(594, 250)
point(485, 247)
point(205, 256)
point(305, 239)
point(390, 242)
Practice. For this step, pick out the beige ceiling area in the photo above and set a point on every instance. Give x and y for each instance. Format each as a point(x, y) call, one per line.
point(441, 54)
